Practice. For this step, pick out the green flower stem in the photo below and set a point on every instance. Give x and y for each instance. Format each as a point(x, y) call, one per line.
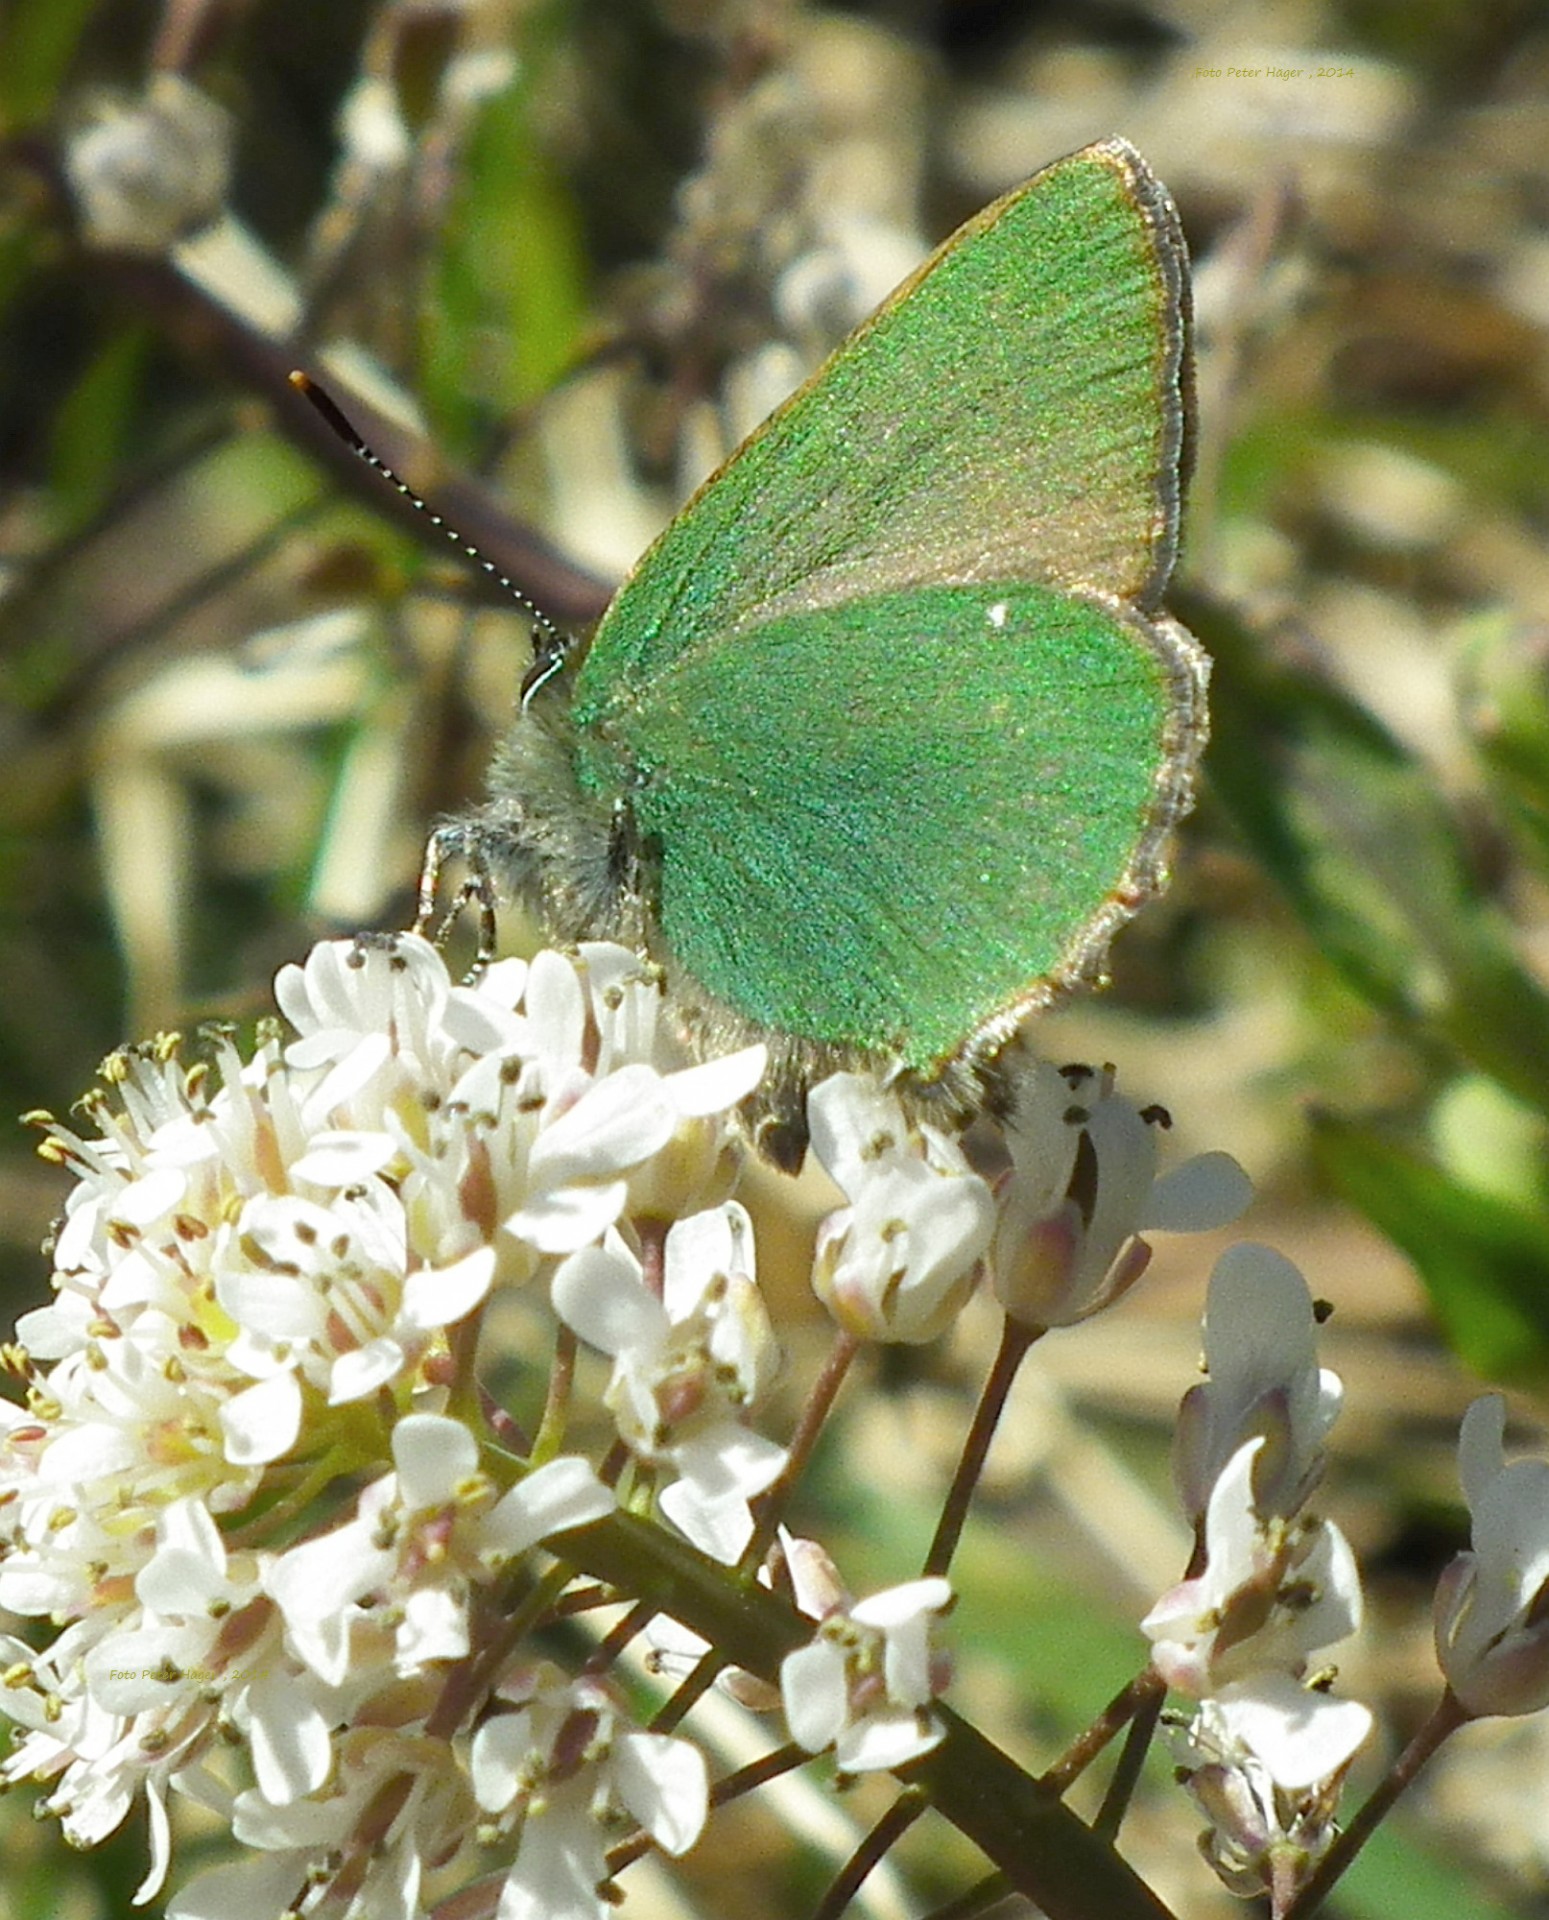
point(556, 1408)
point(1043, 1848)
point(268, 1523)
point(1015, 1340)
point(1448, 1716)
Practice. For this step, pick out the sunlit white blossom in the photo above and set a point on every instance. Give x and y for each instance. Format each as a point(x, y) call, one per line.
point(1082, 1189)
point(864, 1684)
point(566, 1772)
point(145, 172)
point(1264, 1380)
point(394, 1582)
point(400, 1806)
point(1264, 1835)
point(264, 1282)
point(1271, 1596)
point(1492, 1603)
point(900, 1260)
point(688, 1367)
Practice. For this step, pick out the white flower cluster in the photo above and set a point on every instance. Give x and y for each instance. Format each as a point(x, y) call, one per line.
point(294, 1554)
point(1267, 1746)
point(266, 1283)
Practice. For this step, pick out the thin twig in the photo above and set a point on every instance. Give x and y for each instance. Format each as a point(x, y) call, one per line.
point(1120, 1710)
point(1449, 1715)
point(698, 1683)
point(756, 1773)
point(888, 1831)
point(1126, 1775)
point(1015, 1339)
point(556, 1405)
point(770, 1506)
point(979, 1897)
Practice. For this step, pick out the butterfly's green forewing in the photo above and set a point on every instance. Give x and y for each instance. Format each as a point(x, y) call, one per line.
point(892, 701)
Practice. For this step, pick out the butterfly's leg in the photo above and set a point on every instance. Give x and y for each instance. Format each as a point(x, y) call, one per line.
point(450, 842)
point(626, 875)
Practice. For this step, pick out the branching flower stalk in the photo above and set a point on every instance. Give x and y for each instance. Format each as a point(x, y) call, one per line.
point(302, 1567)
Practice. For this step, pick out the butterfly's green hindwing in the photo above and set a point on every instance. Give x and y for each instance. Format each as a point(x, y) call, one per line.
point(878, 822)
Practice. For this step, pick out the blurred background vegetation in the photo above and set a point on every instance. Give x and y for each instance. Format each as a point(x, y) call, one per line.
point(559, 255)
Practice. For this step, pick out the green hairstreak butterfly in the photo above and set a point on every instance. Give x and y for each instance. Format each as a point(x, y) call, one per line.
point(886, 734)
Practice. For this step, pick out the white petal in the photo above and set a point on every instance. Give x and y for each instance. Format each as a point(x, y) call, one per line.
point(729, 1462)
point(556, 1007)
point(716, 1085)
point(122, 1671)
point(949, 1225)
point(150, 1198)
point(280, 1306)
point(441, 1296)
point(1300, 1735)
point(885, 1740)
point(814, 1694)
point(1211, 1190)
point(88, 1452)
point(342, 1159)
point(291, 1749)
point(569, 1217)
point(350, 1075)
point(187, 1524)
point(1482, 1446)
point(49, 1333)
point(160, 1837)
point(561, 1494)
point(618, 1122)
point(258, 1888)
point(262, 1422)
point(895, 1606)
point(599, 1294)
point(500, 1748)
point(355, 1374)
point(480, 1020)
point(720, 1528)
point(717, 1241)
point(434, 1627)
point(301, 1823)
point(663, 1783)
point(852, 1120)
point(433, 1455)
point(557, 1871)
point(178, 1582)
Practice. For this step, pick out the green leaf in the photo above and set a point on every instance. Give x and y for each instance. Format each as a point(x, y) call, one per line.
point(507, 297)
point(90, 427)
point(1398, 1873)
point(1352, 829)
point(1484, 1261)
point(40, 38)
point(1508, 703)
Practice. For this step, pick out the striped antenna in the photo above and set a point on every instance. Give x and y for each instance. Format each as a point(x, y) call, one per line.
point(551, 650)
